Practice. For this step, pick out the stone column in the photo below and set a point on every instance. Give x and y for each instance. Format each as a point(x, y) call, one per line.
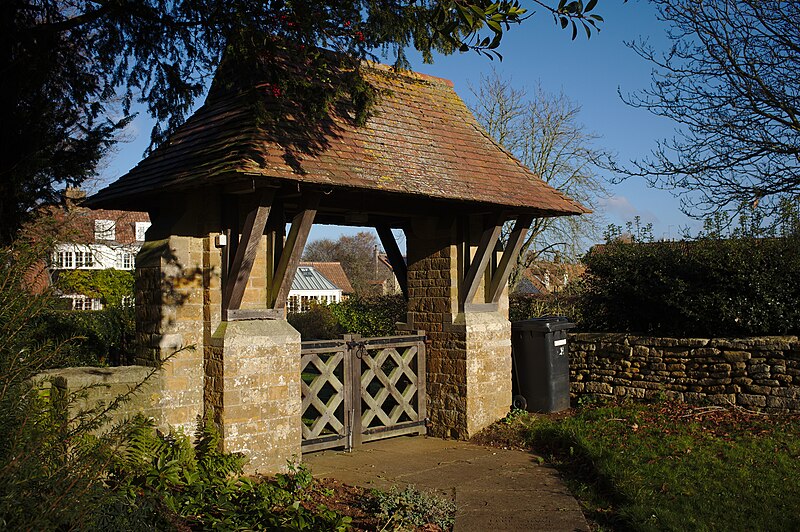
point(469, 353)
point(254, 372)
point(170, 324)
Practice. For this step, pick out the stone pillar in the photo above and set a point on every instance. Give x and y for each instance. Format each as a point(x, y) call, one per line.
point(254, 391)
point(469, 353)
point(170, 323)
point(243, 375)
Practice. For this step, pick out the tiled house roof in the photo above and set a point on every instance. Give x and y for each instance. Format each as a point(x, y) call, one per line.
point(420, 141)
point(333, 272)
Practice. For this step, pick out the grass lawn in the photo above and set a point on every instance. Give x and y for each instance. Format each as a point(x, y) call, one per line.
point(670, 466)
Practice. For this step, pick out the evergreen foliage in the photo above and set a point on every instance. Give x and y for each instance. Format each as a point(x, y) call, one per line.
point(368, 316)
point(741, 286)
point(98, 338)
point(72, 70)
point(371, 316)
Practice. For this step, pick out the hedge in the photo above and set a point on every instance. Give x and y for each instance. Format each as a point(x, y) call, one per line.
point(368, 316)
point(98, 338)
point(706, 287)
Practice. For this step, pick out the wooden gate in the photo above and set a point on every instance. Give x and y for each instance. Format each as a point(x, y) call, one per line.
point(357, 390)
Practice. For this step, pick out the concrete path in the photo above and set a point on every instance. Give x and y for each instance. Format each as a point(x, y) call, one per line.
point(493, 489)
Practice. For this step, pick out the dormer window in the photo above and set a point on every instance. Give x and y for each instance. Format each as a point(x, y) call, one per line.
point(140, 230)
point(105, 230)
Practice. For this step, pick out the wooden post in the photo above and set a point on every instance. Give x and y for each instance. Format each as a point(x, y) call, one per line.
point(293, 250)
point(478, 264)
point(242, 264)
point(507, 260)
point(356, 387)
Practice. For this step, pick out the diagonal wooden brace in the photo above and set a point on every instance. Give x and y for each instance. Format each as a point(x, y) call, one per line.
point(483, 254)
point(395, 257)
point(242, 264)
point(293, 250)
point(508, 259)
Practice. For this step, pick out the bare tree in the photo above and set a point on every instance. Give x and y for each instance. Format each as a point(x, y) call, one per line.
point(730, 81)
point(356, 254)
point(544, 133)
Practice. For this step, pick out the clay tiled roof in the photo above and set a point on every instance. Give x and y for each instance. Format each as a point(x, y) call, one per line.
point(333, 272)
point(420, 141)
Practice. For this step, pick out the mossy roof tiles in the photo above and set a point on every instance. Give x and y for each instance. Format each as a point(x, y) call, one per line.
point(421, 140)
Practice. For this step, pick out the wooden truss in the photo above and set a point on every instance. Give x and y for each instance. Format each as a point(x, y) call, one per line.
point(498, 275)
point(240, 252)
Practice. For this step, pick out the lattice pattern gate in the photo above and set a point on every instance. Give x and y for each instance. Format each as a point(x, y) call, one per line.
point(357, 390)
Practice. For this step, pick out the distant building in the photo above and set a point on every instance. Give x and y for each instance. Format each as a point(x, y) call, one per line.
point(94, 239)
point(318, 283)
point(385, 281)
point(545, 277)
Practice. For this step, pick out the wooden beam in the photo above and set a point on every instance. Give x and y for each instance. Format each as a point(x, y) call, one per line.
point(242, 264)
point(474, 274)
point(396, 259)
point(255, 314)
point(508, 259)
point(293, 250)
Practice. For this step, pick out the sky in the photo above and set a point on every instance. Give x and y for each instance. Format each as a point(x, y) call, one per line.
point(589, 72)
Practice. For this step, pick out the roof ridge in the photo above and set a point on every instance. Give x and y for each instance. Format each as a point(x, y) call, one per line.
point(375, 65)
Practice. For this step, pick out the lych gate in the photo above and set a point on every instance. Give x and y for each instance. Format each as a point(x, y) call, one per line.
point(218, 263)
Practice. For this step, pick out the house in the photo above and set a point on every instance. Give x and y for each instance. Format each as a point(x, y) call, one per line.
point(93, 239)
point(545, 277)
point(320, 283)
point(384, 281)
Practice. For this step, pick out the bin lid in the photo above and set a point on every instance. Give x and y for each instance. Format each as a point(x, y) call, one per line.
point(546, 324)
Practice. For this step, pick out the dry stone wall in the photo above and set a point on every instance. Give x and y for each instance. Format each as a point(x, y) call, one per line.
point(756, 373)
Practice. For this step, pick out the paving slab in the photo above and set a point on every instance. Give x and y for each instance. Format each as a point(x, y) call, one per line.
point(494, 489)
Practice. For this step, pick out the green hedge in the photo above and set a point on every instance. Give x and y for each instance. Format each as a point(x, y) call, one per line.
point(98, 338)
point(707, 287)
point(368, 316)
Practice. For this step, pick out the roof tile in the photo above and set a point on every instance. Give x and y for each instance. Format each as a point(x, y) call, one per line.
point(421, 140)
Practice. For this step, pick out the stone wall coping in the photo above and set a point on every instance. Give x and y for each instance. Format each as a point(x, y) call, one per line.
point(754, 342)
point(87, 376)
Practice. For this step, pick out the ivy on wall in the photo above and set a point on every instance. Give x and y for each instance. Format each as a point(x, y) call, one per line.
point(110, 286)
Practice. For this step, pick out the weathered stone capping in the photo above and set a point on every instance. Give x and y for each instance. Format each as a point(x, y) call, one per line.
point(757, 373)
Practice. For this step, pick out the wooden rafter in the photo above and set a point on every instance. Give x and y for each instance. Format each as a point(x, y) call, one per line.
point(507, 260)
point(395, 257)
point(242, 263)
point(474, 275)
point(293, 250)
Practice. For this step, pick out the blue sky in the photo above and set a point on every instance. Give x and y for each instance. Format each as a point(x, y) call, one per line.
point(588, 72)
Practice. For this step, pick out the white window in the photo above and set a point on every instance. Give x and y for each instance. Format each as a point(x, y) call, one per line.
point(105, 230)
point(293, 304)
point(127, 301)
point(65, 259)
point(140, 229)
point(125, 260)
point(85, 303)
point(84, 259)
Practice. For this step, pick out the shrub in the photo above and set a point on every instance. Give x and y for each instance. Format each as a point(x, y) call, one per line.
point(317, 323)
point(202, 487)
point(410, 508)
point(52, 463)
point(101, 337)
point(707, 287)
point(372, 315)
